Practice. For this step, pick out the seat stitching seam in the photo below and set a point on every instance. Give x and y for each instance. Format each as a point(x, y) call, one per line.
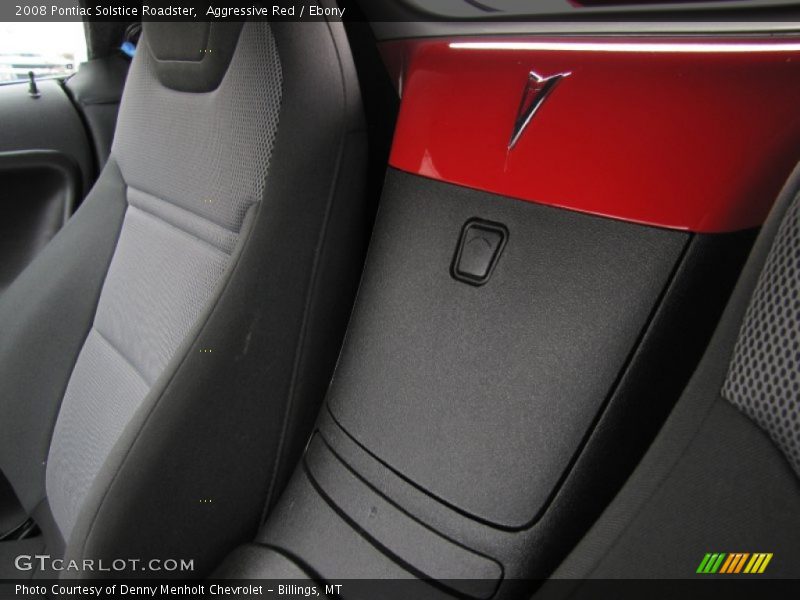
point(192, 235)
point(181, 208)
point(130, 362)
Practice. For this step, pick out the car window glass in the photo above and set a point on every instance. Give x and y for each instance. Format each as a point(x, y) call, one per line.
point(46, 49)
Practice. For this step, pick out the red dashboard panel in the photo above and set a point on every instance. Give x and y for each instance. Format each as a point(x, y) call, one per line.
point(680, 133)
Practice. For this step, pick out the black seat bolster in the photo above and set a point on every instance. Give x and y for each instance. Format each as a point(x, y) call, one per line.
point(46, 316)
point(712, 479)
point(96, 90)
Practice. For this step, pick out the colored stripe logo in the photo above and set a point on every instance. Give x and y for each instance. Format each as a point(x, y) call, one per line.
point(734, 563)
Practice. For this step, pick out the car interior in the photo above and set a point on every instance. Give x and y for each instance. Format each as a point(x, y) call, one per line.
point(406, 299)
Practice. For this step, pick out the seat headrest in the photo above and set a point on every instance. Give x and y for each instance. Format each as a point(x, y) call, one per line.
point(191, 56)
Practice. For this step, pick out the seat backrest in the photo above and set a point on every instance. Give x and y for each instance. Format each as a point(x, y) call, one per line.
point(195, 358)
point(194, 167)
point(725, 464)
point(764, 376)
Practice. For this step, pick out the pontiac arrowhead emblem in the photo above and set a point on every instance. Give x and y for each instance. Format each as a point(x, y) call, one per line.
point(537, 89)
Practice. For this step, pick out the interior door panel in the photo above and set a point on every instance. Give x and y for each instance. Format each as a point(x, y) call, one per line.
point(41, 189)
point(46, 167)
point(47, 122)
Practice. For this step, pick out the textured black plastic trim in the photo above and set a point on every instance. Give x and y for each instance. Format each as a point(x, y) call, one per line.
point(479, 393)
point(315, 522)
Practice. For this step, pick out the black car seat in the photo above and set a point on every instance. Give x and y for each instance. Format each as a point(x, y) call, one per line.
point(721, 478)
point(163, 359)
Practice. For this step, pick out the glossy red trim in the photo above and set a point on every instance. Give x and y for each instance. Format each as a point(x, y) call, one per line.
point(679, 133)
